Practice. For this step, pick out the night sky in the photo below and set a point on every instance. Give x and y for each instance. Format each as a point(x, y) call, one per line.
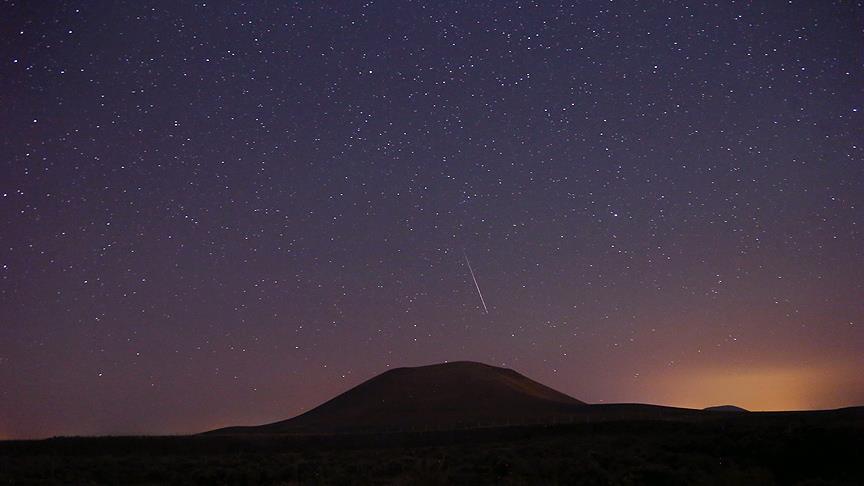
point(216, 214)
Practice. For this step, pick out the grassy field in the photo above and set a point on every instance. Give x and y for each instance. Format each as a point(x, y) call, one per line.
point(732, 449)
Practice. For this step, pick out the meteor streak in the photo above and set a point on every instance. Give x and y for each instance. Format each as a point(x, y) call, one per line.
point(482, 300)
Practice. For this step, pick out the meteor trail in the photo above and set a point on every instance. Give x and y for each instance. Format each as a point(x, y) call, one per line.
point(482, 300)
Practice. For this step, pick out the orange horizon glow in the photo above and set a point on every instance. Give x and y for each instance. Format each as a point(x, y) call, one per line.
point(761, 388)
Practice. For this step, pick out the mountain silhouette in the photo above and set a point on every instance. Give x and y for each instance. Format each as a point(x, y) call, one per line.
point(725, 408)
point(456, 394)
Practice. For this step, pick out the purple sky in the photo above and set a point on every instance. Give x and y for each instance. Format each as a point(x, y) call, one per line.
point(226, 214)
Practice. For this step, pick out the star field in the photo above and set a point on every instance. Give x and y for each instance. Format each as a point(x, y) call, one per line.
point(226, 213)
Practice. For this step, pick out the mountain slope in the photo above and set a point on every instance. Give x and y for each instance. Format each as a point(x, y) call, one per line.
point(442, 395)
point(725, 408)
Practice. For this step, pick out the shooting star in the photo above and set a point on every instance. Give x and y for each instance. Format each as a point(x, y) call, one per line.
point(482, 300)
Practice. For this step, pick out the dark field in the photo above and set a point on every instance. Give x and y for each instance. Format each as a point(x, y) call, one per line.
point(756, 448)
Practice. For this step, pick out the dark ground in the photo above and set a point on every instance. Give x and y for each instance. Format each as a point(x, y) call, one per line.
point(813, 448)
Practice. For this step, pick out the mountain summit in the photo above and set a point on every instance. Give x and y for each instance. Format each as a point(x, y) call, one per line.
point(443, 395)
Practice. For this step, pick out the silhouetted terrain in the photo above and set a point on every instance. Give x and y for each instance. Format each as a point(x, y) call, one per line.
point(732, 448)
point(469, 423)
point(449, 395)
point(725, 408)
point(459, 395)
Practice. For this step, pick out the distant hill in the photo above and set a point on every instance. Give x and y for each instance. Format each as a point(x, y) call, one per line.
point(725, 408)
point(457, 394)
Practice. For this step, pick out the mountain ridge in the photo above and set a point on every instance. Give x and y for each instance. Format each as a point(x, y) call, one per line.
point(450, 394)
